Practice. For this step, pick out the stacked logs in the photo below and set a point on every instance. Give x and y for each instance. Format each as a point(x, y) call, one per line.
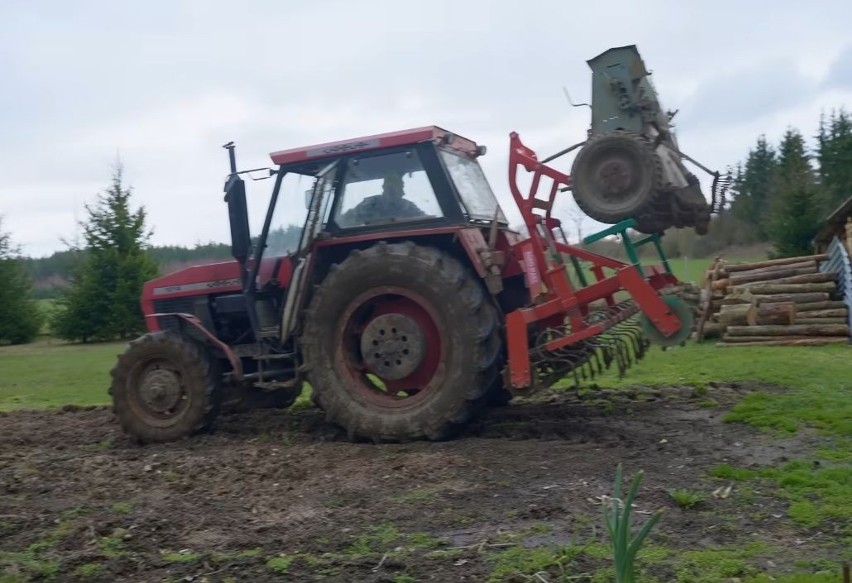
point(772, 303)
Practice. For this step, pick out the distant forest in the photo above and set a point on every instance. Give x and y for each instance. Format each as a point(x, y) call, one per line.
point(51, 273)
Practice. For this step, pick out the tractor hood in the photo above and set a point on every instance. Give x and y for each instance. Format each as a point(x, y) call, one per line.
point(211, 279)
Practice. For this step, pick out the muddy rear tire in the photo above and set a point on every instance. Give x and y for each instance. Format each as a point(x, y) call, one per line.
point(164, 387)
point(616, 176)
point(401, 342)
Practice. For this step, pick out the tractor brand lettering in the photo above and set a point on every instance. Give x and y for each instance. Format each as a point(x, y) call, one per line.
point(530, 268)
point(341, 148)
point(171, 289)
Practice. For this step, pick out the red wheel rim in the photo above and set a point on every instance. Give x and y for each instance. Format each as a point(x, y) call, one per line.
point(391, 304)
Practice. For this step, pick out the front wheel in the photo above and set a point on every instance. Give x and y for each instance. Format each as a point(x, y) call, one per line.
point(401, 342)
point(164, 387)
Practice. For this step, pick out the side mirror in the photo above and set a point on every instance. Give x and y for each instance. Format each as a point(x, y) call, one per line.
point(235, 196)
point(308, 195)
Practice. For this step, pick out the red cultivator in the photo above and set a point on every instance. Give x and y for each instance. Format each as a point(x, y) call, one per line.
point(568, 331)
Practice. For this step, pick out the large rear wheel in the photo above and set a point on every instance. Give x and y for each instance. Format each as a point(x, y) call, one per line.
point(401, 342)
point(615, 176)
point(164, 387)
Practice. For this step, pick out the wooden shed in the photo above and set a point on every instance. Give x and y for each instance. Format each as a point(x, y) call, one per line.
point(837, 224)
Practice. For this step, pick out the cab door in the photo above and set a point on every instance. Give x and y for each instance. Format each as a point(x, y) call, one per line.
point(320, 204)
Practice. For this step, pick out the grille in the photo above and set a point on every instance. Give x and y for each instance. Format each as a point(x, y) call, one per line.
point(185, 305)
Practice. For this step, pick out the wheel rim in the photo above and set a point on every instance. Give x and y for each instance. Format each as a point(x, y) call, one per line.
point(391, 346)
point(158, 392)
point(614, 177)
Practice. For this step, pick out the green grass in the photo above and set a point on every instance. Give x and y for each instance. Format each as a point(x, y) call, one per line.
point(90, 571)
point(817, 495)
point(819, 379)
point(714, 565)
point(686, 499)
point(50, 373)
point(37, 561)
point(279, 565)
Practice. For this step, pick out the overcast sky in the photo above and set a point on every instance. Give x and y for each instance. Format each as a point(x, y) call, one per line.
point(163, 84)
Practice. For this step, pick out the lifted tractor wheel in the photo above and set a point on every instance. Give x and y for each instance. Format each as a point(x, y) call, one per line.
point(615, 176)
point(165, 387)
point(401, 343)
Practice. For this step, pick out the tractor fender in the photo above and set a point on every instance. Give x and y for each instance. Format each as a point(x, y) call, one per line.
point(487, 262)
point(190, 319)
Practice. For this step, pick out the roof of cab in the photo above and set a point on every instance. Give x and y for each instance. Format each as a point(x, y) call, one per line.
point(367, 143)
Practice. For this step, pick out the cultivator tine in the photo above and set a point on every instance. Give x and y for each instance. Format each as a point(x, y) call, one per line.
point(595, 357)
point(621, 343)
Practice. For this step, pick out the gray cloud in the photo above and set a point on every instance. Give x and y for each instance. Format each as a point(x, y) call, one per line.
point(840, 74)
point(747, 94)
point(164, 84)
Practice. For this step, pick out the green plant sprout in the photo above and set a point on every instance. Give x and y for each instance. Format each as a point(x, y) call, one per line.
point(617, 521)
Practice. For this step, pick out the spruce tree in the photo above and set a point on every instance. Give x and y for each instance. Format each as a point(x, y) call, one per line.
point(756, 186)
point(796, 211)
point(20, 318)
point(102, 302)
point(834, 155)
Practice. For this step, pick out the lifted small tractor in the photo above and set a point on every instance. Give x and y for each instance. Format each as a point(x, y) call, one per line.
point(408, 306)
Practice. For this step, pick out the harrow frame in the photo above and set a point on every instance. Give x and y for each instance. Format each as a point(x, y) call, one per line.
point(570, 331)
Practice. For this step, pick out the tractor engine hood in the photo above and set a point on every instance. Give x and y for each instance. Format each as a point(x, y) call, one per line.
point(212, 278)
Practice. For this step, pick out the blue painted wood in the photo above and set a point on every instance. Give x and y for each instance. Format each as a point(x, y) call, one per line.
point(838, 262)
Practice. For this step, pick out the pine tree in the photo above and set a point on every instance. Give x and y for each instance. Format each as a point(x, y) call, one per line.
point(20, 318)
point(102, 302)
point(834, 155)
point(756, 186)
point(797, 210)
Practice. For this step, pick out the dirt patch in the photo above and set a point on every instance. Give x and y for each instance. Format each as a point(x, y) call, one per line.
point(277, 496)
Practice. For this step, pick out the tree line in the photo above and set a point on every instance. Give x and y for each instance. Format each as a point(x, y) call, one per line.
point(785, 192)
point(50, 274)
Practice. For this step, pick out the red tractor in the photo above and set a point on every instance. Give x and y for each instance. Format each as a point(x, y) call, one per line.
point(408, 306)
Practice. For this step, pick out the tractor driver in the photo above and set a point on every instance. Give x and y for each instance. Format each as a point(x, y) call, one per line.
point(388, 205)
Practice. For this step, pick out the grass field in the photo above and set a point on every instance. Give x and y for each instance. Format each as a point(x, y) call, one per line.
point(49, 373)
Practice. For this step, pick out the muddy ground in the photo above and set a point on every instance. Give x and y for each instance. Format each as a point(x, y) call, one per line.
point(275, 496)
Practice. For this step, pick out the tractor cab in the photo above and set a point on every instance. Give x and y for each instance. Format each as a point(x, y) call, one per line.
point(424, 177)
point(419, 182)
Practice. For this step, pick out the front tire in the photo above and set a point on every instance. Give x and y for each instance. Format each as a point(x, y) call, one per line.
point(401, 342)
point(164, 387)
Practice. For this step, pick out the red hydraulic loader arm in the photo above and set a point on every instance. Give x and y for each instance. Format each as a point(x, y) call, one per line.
point(558, 309)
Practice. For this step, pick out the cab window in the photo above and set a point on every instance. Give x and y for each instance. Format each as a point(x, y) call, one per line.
point(387, 188)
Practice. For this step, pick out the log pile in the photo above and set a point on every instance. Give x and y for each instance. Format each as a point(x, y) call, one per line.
point(776, 302)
